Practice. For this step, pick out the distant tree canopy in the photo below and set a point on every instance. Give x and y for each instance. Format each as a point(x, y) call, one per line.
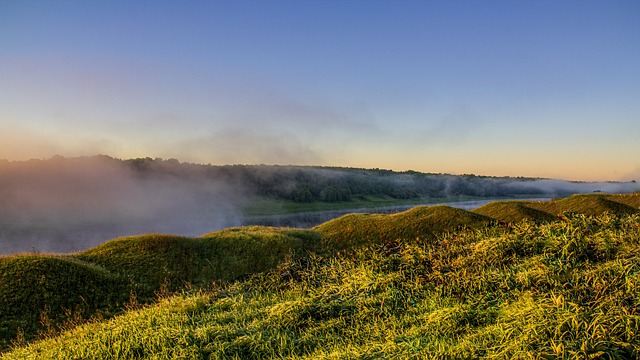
point(294, 183)
point(329, 184)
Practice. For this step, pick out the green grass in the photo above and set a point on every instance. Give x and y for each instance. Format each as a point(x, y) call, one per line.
point(514, 211)
point(590, 204)
point(432, 281)
point(171, 262)
point(39, 292)
point(354, 230)
point(566, 289)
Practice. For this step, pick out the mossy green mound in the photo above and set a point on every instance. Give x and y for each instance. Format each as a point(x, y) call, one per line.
point(594, 204)
point(171, 262)
point(424, 222)
point(566, 289)
point(40, 291)
point(590, 204)
point(514, 211)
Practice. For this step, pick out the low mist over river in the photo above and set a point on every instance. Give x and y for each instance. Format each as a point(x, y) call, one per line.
point(70, 236)
point(311, 219)
point(64, 205)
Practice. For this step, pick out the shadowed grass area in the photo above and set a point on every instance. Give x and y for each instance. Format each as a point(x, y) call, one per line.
point(41, 291)
point(566, 289)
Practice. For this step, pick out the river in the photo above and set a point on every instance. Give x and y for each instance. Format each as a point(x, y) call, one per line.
point(311, 219)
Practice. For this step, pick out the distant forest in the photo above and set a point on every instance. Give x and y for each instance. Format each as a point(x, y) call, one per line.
point(302, 184)
point(333, 184)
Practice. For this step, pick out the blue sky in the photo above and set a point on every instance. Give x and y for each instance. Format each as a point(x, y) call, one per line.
point(518, 88)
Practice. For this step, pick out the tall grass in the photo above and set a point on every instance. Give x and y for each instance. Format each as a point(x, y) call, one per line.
point(566, 289)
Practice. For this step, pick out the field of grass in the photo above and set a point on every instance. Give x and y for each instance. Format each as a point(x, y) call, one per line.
point(505, 282)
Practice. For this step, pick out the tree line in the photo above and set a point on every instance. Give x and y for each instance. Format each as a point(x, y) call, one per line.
point(334, 184)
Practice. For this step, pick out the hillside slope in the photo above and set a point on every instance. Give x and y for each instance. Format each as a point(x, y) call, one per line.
point(632, 200)
point(39, 291)
point(565, 289)
point(588, 204)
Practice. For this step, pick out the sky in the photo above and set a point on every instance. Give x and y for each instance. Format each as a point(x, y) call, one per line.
point(502, 88)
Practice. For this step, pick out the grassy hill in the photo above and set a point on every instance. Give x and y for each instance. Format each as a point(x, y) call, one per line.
point(514, 211)
point(432, 280)
point(632, 200)
point(171, 262)
point(590, 204)
point(40, 291)
point(423, 222)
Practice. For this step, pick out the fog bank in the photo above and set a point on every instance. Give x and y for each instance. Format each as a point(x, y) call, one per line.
point(63, 205)
point(563, 187)
point(71, 204)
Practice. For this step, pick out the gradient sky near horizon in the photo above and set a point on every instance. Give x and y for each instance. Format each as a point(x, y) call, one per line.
point(517, 88)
